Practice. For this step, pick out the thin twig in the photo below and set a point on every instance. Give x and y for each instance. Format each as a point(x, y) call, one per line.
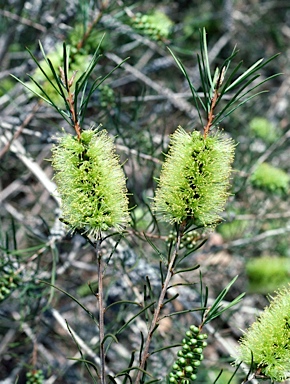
point(89, 30)
point(213, 103)
point(83, 345)
point(154, 323)
point(178, 103)
point(210, 115)
point(23, 20)
point(139, 154)
point(266, 154)
point(259, 237)
point(26, 121)
point(100, 296)
point(17, 148)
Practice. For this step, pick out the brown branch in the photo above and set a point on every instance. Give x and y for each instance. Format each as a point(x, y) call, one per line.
point(26, 121)
point(23, 20)
point(70, 98)
point(155, 320)
point(74, 118)
point(100, 296)
point(81, 43)
point(211, 116)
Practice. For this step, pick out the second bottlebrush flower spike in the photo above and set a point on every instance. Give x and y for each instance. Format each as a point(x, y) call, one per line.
point(194, 181)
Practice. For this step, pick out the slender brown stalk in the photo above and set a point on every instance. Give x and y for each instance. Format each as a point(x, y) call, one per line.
point(154, 322)
point(18, 132)
point(77, 127)
point(100, 296)
point(68, 83)
point(210, 116)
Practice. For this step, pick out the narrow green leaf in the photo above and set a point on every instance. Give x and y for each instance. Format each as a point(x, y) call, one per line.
point(134, 317)
point(254, 68)
point(110, 335)
point(189, 252)
point(165, 348)
point(122, 302)
point(129, 366)
point(171, 299)
point(47, 99)
point(183, 312)
point(234, 373)
point(65, 66)
point(127, 376)
point(112, 379)
point(220, 309)
point(48, 62)
point(96, 84)
point(216, 309)
point(81, 353)
point(131, 369)
point(59, 83)
point(54, 253)
point(235, 98)
point(73, 298)
point(187, 269)
point(228, 80)
point(154, 246)
point(19, 252)
point(219, 375)
point(206, 58)
point(84, 361)
point(42, 51)
point(196, 97)
point(31, 90)
point(204, 86)
point(244, 75)
point(141, 346)
point(218, 121)
point(161, 272)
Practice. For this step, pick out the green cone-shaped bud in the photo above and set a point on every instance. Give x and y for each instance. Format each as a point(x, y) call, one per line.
point(90, 182)
point(266, 343)
point(187, 363)
point(194, 181)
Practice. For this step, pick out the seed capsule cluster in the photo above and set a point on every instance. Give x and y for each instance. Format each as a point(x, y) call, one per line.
point(188, 241)
point(34, 377)
point(189, 357)
point(149, 25)
point(8, 282)
point(107, 96)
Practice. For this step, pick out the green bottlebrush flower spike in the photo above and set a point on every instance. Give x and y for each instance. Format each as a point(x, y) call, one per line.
point(194, 181)
point(90, 182)
point(266, 344)
point(263, 129)
point(271, 179)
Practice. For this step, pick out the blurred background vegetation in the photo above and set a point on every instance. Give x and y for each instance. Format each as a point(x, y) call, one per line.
point(140, 104)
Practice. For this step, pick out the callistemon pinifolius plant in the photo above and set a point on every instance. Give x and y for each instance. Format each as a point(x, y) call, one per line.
point(90, 182)
point(266, 344)
point(194, 181)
